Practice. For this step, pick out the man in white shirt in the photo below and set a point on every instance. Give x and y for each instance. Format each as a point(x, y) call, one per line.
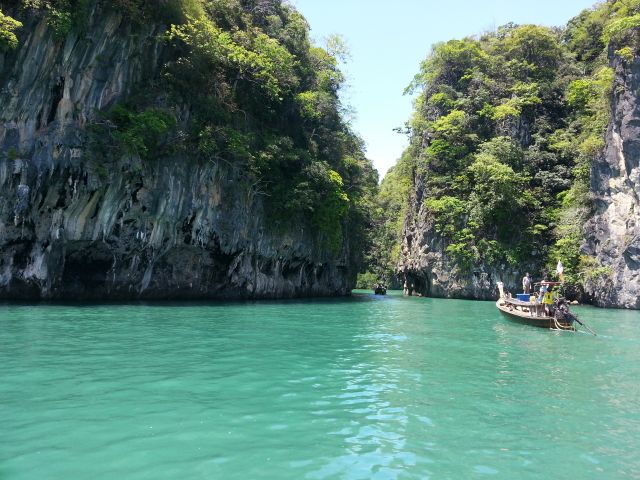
point(526, 283)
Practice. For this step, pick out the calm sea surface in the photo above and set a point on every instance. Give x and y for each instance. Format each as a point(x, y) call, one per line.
point(360, 388)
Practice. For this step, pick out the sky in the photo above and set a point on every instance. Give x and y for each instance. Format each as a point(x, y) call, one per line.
point(388, 40)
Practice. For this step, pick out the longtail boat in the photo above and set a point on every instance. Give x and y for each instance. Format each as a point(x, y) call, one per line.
point(555, 316)
point(380, 290)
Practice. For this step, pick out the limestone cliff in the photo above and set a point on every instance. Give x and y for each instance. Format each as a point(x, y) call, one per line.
point(613, 234)
point(515, 169)
point(72, 228)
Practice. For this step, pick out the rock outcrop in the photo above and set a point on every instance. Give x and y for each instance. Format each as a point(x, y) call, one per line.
point(72, 228)
point(429, 271)
point(606, 248)
point(613, 234)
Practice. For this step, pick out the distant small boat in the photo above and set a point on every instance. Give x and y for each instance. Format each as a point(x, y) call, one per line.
point(380, 290)
point(534, 314)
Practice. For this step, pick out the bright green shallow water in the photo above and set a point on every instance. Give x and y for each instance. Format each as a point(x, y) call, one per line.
point(361, 388)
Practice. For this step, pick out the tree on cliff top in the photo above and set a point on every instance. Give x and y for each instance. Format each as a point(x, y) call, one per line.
point(8, 26)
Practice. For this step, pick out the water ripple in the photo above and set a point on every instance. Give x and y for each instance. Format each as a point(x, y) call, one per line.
point(363, 388)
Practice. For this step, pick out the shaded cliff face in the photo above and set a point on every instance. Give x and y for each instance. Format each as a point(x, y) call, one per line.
point(613, 234)
point(428, 271)
point(167, 228)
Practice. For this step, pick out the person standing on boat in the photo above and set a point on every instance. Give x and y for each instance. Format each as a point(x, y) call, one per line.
point(543, 288)
point(545, 297)
point(526, 283)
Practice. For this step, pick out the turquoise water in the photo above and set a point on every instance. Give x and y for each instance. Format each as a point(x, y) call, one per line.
point(360, 388)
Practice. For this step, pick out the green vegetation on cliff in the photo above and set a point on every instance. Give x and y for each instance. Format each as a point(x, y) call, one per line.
point(265, 99)
point(505, 129)
point(8, 26)
point(243, 87)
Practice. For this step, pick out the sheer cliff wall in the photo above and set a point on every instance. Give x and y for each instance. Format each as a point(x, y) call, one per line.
point(72, 228)
point(613, 234)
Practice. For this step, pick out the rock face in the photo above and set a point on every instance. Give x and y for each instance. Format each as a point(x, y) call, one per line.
point(170, 228)
point(613, 234)
point(428, 271)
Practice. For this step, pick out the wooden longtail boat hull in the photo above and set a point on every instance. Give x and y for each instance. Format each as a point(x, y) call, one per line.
point(513, 312)
point(524, 317)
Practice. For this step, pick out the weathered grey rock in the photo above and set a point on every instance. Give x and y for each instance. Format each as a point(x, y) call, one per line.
point(613, 234)
point(168, 228)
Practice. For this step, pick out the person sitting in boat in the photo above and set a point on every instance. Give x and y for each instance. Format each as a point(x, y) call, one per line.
point(526, 283)
point(561, 312)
